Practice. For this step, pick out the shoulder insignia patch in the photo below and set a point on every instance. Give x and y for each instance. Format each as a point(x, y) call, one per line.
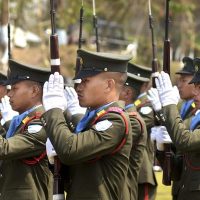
point(25, 120)
point(145, 110)
point(103, 125)
point(34, 128)
point(137, 102)
point(193, 105)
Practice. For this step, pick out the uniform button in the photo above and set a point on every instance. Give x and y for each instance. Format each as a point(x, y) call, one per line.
point(1, 175)
point(183, 186)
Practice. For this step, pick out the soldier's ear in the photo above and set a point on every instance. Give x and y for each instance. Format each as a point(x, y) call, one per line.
point(110, 85)
point(36, 89)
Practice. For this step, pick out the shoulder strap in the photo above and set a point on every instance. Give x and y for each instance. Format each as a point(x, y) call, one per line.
point(141, 104)
point(33, 160)
point(119, 111)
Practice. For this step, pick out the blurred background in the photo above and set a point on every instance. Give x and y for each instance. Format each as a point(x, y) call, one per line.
point(123, 27)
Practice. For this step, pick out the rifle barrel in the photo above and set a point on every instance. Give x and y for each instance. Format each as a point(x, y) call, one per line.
point(52, 13)
point(58, 185)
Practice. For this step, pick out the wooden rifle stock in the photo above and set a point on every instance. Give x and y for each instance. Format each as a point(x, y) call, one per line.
point(167, 165)
point(166, 59)
point(54, 50)
point(58, 186)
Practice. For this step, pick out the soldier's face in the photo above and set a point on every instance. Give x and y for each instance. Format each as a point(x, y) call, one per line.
point(3, 91)
point(127, 94)
point(197, 96)
point(92, 91)
point(186, 90)
point(20, 96)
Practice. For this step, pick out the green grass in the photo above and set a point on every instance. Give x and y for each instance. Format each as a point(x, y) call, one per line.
point(163, 192)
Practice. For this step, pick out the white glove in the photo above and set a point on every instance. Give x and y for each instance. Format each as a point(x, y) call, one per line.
point(50, 151)
point(154, 99)
point(162, 137)
point(165, 89)
point(53, 93)
point(73, 102)
point(6, 110)
point(153, 133)
point(176, 93)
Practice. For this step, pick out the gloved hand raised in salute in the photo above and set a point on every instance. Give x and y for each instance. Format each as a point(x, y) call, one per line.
point(6, 110)
point(53, 93)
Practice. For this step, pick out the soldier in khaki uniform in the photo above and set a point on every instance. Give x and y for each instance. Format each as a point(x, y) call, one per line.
point(98, 152)
point(185, 140)
point(187, 105)
point(139, 138)
point(147, 183)
point(24, 171)
point(187, 110)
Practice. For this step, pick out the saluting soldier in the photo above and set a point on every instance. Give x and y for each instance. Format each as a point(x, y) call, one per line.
point(187, 105)
point(98, 152)
point(186, 140)
point(139, 137)
point(24, 171)
point(147, 183)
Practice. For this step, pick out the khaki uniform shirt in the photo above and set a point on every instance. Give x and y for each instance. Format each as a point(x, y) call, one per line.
point(187, 120)
point(139, 138)
point(147, 174)
point(187, 142)
point(103, 179)
point(20, 181)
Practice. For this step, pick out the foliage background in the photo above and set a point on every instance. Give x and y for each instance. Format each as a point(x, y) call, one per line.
point(131, 15)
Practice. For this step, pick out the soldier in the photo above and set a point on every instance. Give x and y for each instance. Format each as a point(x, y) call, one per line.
point(185, 140)
point(187, 107)
point(139, 137)
point(147, 183)
point(24, 171)
point(98, 154)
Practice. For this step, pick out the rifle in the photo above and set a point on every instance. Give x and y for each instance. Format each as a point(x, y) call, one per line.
point(95, 25)
point(154, 49)
point(58, 186)
point(78, 59)
point(166, 67)
point(154, 65)
point(54, 49)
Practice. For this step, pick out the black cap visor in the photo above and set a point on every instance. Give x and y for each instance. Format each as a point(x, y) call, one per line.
point(86, 73)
